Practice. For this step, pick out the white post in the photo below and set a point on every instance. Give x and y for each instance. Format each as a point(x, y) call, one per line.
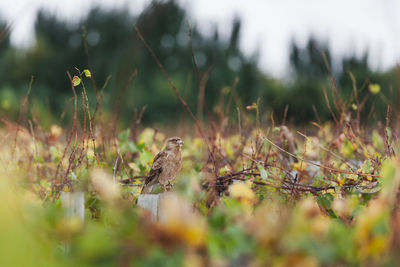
point(165, 202)
point(153, 203)
point(74, 204)
point(149, 202)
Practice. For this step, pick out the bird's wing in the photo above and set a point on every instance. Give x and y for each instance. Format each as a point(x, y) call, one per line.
point(156, 168)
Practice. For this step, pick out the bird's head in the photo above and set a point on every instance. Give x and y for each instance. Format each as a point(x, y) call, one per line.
point(174, 142)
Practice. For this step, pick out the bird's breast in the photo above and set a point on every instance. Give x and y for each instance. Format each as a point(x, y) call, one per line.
point(171, 167)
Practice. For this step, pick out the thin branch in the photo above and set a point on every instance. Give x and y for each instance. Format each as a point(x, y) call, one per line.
point(164, 71)
point(319, 165)
point(21, 113)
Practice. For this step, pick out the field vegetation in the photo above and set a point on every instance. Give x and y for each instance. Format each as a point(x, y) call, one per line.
point(259, 191)
point(257, 188)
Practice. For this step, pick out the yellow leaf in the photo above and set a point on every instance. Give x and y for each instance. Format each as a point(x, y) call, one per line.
point(76, 80)
point(374, 88)
point(242, 192)
point(104, 184)
point(87, 73)
point(253, 106)
point(179, 220)
point(90, 153)
point(55, 131)
point(133, 166)
point(300, 166)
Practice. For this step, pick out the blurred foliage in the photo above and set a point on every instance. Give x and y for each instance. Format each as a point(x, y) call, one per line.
point(104, 41)
point(311, 74)
point(280, 212)
point(265, 194)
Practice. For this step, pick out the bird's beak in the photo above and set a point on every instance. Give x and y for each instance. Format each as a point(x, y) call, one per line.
point(180, 142)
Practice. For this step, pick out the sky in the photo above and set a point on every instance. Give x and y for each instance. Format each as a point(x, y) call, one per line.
point(268, 26)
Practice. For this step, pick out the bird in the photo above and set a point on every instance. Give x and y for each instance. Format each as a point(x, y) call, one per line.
point(166, 165)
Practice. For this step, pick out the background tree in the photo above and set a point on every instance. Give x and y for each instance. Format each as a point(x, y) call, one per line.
point(230, 77)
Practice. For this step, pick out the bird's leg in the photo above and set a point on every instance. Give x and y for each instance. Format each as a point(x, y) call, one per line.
point(169, 186)
point(165, 187)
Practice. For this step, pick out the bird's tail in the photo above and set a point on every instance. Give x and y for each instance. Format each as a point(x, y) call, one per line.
point(146, 189)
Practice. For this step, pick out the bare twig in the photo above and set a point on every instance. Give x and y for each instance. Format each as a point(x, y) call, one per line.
point(320, 165)
point(164, 71)
point(335, 88)
point(21, 114)
point(115, 168)
point(72, 132)
point(329, 106)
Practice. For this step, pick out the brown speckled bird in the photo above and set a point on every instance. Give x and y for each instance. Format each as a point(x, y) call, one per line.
point(166, 165)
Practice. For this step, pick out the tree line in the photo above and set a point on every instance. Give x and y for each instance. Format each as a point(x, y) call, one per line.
point(222, 77)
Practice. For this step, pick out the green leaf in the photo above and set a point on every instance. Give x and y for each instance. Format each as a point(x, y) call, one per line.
point(76, 80)
point(128, 147)
point(87, 73)
point(377, 140)
point(124, 135)
point(145, 157)
point(132, 147)
point(218, 219)
point(253, 106)
point(263, 172)
point(72, 176)
point(325, 201)
point(389, 135)
point(389, 181)
point(367, 166)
